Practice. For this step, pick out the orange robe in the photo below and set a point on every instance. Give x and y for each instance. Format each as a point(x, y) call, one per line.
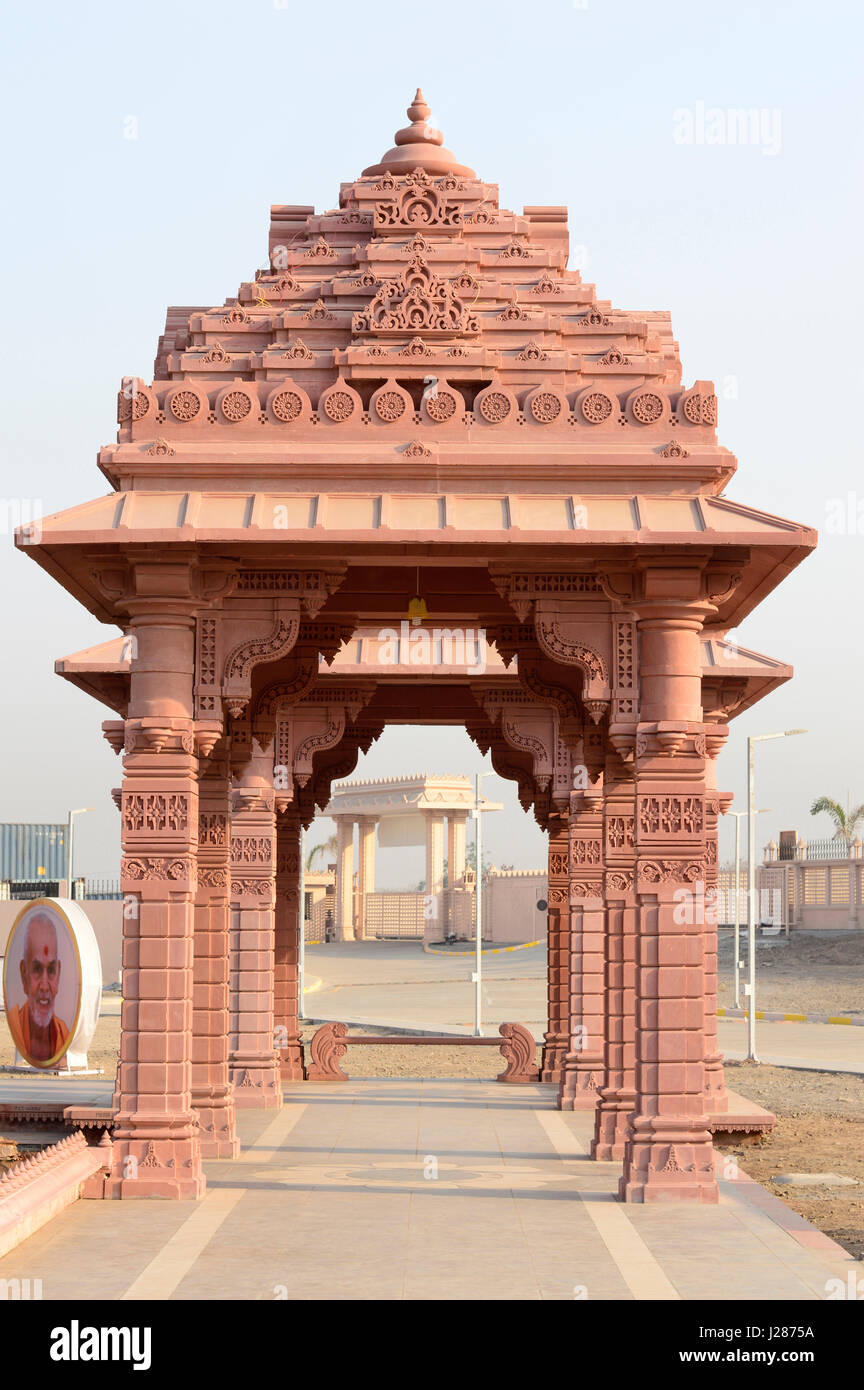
point(19, 1023)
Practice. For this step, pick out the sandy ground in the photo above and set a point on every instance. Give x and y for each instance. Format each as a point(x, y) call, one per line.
point(369, 1060)
point(102, 1052)
point(808, 972)
point(820, 1129)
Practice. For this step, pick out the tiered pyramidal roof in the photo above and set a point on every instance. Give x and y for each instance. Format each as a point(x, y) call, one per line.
point(422, 315)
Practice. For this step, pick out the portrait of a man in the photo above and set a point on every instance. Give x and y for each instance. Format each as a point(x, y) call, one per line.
point(39, 1032)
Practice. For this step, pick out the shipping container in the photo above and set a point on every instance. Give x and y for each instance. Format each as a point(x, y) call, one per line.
point(33, 851)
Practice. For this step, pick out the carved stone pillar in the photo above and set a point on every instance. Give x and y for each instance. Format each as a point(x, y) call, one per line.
point(618, 1096)
point(212, 1091)
point(156, 1149)
point(286, 992)
point(365, 869)
point(253, 1059)
point(716, 1095)
point(669, 1154)
point(584, 1065)
point(345, 878)
point(435, 860)
point(455, 847)
point(455, 863)
point(557, 1038)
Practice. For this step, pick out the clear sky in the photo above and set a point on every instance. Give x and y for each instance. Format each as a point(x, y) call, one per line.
point(143, 145)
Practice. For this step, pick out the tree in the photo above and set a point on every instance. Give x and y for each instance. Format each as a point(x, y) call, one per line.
point(325, 849)
point(471, 861)
point(846, 823)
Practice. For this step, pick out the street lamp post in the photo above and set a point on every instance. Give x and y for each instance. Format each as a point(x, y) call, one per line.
point(301, 948)
point(80, 811)
point(738, 816)
point(478, 909)
point(478, 904)
point(750, 987)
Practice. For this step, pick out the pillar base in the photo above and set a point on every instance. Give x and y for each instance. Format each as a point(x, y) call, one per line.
point(716, 1095)
point(257, 1084)
point(152, 1156)
point(669, 1158)
point(581, 1080)
point(612, 1125)
point(554, 1052)
point(216, 1121)
point(291, 1063)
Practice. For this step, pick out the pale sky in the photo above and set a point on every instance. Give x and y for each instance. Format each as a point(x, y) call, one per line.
point(143, 146)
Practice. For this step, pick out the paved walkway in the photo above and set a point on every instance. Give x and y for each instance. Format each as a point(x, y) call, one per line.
point(425, 1190)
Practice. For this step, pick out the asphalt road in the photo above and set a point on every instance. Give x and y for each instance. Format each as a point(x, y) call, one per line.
point(397, 984)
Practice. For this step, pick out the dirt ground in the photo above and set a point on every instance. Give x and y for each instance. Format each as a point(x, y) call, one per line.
point(102, 1052)
point(820, 1129)
point(484, 1063)
point(808, 972)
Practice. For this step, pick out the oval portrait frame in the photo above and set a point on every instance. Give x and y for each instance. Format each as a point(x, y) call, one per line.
point(72, 917)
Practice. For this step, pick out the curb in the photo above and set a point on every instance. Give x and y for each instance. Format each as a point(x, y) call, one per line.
point(485, 951)
point(793, 1018)
point(798, 1227)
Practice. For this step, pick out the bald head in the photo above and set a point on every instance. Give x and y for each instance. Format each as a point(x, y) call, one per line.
point(40, 969)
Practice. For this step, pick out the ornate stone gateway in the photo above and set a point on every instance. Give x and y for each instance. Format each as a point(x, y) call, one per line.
point(418, 404)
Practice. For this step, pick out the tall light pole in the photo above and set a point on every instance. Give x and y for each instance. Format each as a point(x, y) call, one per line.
point(81, 810)
point(301, 949)
point(738, 816)
point(750, 987)
point(478, 904)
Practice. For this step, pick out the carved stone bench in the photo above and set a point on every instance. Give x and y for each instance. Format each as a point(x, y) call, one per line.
point(331, 1041)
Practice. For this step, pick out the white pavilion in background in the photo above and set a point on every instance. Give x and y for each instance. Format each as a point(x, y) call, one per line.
point(425, 809)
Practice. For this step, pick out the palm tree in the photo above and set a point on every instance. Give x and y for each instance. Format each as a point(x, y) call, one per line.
point(846, 822)
point(326, 848)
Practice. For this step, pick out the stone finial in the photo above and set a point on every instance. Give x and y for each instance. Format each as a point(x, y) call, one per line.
point(419, 145)
point(418, 132)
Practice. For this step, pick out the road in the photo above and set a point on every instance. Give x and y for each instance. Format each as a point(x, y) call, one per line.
point(396, 983)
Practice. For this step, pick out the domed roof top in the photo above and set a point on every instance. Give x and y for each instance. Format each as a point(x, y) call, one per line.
point(419, 144)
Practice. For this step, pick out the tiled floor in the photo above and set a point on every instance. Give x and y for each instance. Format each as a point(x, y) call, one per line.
point(421, 1190)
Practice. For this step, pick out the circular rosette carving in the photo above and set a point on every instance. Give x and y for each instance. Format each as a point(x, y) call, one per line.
point(339, 403)
point(134, 402)
point(288, 404)
point(595, 406)
point(496, 405)
point(186, 404)
point(390, 404)
point(647, 405)
point(238, 403)
point(442, 404)
point(546, 406)
point(697, 407)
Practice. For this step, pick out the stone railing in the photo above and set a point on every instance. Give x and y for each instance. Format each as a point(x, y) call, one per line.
point(35, 1190)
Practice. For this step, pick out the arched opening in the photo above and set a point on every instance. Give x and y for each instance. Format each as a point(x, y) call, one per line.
point(405, 957)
